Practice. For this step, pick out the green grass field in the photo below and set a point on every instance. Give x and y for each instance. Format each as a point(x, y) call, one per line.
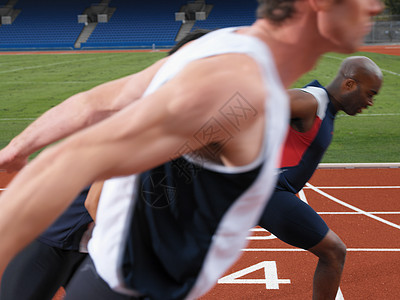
point(31, 84)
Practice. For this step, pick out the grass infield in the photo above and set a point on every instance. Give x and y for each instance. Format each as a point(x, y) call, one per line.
point(31, 84)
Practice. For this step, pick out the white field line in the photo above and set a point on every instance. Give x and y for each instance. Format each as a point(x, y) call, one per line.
point(383, 70)
point(48, 82)
point(17, 119)
point(353, 207)
point(47, 65)
point(369, 115)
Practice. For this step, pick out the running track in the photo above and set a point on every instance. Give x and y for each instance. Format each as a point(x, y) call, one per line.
point(362, 206)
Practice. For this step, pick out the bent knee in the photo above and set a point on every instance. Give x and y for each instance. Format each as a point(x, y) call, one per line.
point(331, 248)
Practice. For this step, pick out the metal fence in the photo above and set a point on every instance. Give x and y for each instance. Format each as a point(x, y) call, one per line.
point(385, 31)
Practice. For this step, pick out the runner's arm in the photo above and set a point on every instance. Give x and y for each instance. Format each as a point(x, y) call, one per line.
point(303, 109)
point(77, 112)
point(143, 135)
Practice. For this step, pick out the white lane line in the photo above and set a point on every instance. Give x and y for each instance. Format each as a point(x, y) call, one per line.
point(353, 207)
point(339, 295)
point(355, 187)
point(300, 250)
point(358, 213)
point(303, 196)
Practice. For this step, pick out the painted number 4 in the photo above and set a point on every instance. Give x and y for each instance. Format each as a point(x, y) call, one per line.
point(271, 280)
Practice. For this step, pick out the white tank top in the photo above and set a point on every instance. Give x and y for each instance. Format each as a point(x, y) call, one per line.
point(115, 205)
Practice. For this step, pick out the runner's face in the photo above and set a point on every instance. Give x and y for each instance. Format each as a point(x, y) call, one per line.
point(361, 95)
point(346, 22)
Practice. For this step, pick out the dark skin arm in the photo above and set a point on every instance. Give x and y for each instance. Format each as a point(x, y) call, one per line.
point(303, 110)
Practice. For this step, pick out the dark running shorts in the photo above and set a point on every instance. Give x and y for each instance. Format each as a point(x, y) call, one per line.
point(293, 221)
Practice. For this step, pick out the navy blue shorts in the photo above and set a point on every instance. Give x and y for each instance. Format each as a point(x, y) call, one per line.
point(293, 221)
point(87, 284)
point(38, 271)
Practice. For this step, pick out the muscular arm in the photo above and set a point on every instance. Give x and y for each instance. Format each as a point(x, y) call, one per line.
point(303, 109)
point(145, 134)
point(75, 113)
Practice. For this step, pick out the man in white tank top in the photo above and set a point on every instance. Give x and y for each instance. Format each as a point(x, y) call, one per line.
point(218, 105)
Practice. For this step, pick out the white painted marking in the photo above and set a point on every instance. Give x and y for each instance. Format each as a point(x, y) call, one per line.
point(353, 207)
point(271, 280)
point(303, 196)
point(48, 65)
point(269, 235)
point(48, 82)
point(300, 250)
point(17, 119)
point(358, 213)
point(390, 72)
point(339, 295)
point(383, 70)
point(369, 115)
point(355, 187)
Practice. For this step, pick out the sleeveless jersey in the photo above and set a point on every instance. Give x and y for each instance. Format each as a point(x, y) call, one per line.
point(171, 232)
point(303, 151)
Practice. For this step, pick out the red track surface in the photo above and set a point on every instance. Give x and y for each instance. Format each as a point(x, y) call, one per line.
point(383, 49)
point(372, 269)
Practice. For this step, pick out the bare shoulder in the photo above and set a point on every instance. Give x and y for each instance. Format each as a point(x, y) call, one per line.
point(216, 79)
point(302, 104)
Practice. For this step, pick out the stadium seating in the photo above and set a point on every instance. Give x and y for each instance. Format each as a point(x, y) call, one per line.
point(138, 24)
point(49, 24)
point(229, 13)
point(44, 24)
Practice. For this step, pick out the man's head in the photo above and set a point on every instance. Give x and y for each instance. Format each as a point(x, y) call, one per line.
point(276, 10)
point(342, 24)
point(359, 79)
point(345, 23)
point(194, 35)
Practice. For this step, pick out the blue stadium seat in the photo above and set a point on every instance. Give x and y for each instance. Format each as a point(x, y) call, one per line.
point(134, 24)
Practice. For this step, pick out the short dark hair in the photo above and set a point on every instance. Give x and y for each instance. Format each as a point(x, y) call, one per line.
point(195, 34)
point(276, 11)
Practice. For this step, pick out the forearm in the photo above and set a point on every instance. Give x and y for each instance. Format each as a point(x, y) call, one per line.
point(57, 123)
point(77, 112)
point(35, 198)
